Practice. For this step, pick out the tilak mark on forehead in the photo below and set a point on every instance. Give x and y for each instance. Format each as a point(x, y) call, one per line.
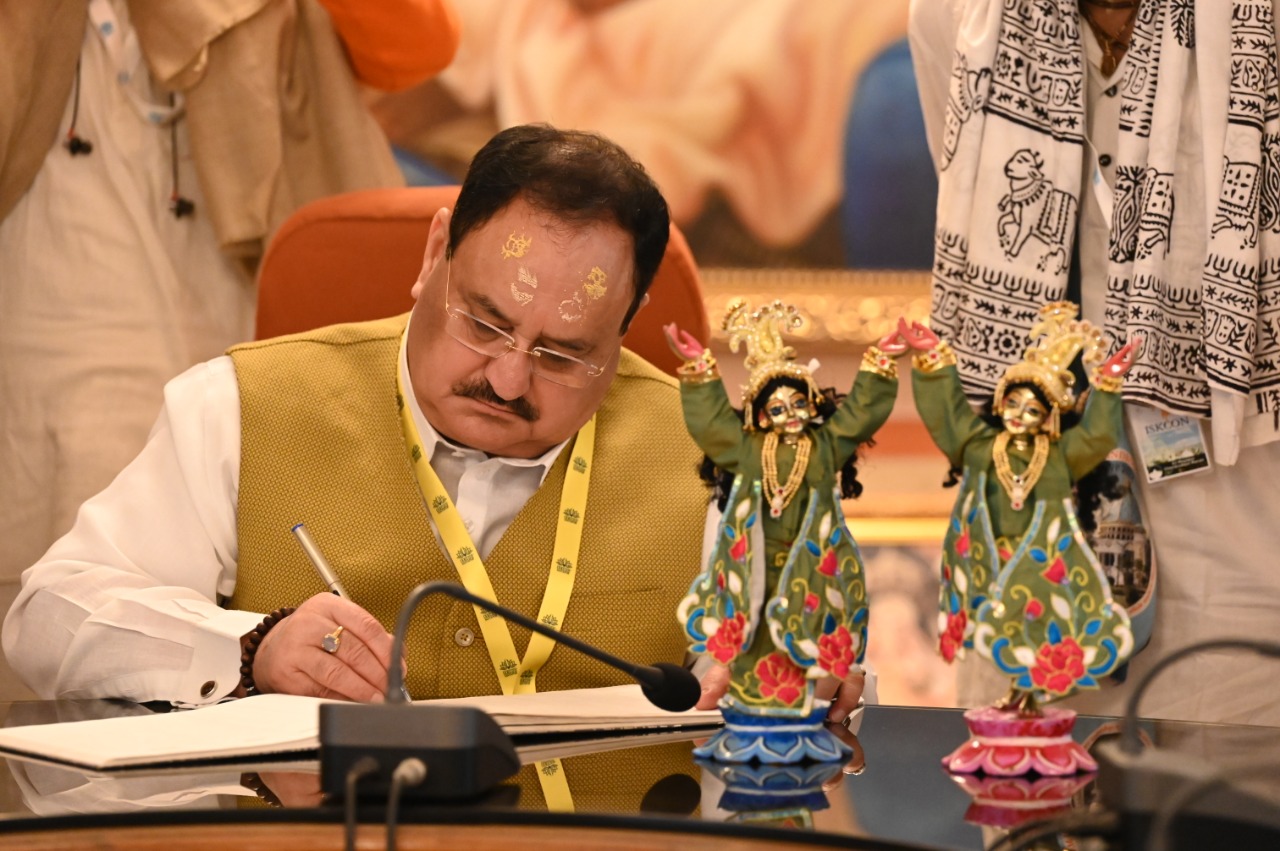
point(527, 278)
point(594, 286)
point(516, 246)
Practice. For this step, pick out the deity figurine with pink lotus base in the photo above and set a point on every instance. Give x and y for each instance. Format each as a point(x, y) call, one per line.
point(782, 599)
point(1020, 584)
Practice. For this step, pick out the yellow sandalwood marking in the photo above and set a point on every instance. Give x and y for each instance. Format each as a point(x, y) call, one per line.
point(595, 282)
point(516, 246)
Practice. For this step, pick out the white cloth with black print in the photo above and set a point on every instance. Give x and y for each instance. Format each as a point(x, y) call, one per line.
point(1195, 229)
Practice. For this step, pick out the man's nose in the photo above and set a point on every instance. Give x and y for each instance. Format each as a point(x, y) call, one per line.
point(511, 374)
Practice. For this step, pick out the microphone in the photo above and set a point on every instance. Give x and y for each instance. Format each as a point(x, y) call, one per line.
point(1139, 783)
point(464, 750)
point(667, 686)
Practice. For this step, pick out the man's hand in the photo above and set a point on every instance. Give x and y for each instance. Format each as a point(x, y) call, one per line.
point(844, 694)
point(715, 682)
point(292, 660)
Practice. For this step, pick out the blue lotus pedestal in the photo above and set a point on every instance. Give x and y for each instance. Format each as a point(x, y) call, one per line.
point(774, 739)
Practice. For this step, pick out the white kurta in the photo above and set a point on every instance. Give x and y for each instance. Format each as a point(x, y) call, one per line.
point(1216, 534)
point(124, 605)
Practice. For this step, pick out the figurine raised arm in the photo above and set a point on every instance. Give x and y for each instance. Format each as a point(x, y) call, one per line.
point(1019, 582)
point(782, 599)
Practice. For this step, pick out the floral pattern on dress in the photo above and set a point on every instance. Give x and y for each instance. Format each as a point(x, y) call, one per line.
point(1050, 621)
point(968, 550)
point(715, 612)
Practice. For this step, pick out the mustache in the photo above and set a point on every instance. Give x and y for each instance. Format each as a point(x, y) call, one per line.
point(482, 390)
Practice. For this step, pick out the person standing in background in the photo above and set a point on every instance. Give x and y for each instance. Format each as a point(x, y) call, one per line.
point(148, 151)
point(1124, 154)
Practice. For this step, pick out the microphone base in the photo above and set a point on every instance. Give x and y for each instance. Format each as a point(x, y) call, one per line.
point(464, 749)
point(1136, 786)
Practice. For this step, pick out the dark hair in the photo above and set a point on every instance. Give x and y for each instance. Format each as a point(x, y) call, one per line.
point(850, 488)
point(579, 177)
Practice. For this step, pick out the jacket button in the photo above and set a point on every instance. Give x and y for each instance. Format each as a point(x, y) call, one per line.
point(464, 637)
point(208, 688)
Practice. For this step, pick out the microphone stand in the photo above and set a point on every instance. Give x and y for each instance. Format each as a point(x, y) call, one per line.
point(1138, 783)
point(462, 750)
point(667, 686)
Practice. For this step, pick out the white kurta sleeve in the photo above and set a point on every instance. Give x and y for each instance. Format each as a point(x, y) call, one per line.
point(125, 604)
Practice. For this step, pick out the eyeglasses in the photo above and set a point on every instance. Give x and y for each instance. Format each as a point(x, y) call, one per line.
point(481, 337)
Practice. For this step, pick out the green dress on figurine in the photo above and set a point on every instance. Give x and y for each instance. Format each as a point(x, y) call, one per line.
point(782, 600)
point(1019, 582)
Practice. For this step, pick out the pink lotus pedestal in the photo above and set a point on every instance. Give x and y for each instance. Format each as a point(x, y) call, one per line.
point(1003, 744)
point(1007, 802)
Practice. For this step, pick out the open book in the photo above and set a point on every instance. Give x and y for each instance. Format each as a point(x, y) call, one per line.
point(278, 725)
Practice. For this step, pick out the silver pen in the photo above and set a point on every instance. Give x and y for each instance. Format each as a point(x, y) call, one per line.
point(318, 560)
point(327, 574)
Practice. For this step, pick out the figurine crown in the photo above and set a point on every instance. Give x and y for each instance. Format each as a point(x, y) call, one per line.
point(1056, 339)
point(767, 355)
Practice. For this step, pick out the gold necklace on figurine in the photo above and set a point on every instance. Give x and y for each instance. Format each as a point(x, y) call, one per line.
point(779, 497)
point(1018, 487)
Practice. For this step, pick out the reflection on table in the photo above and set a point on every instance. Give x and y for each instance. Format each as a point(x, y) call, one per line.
point(893, 793)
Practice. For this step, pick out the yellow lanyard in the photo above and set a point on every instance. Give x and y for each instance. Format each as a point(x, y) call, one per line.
point(515, 675)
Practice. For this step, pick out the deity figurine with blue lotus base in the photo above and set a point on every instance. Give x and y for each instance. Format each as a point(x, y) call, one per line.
point(1020, 584)
point(782, 600)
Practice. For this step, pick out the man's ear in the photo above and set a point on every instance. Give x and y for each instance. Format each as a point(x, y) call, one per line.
point(437, 245)
point(644, 299)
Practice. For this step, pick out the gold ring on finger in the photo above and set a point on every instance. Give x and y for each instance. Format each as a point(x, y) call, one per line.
point(332, 640)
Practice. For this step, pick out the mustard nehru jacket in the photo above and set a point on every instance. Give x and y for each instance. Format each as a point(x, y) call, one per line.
point(322, 444)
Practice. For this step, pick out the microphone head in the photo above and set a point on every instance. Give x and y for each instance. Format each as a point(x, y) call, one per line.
point(675, 691)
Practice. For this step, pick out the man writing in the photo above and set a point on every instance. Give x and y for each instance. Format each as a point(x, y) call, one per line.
point(478, 437)
point(514, 345)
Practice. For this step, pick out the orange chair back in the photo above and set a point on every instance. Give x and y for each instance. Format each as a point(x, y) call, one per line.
point(354, 257)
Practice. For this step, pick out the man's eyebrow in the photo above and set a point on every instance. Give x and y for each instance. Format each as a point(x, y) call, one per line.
point(566, 345)
point(490, 307)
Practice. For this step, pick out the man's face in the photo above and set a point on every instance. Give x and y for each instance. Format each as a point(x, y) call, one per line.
point(1022, 412)
point(548, 285)
point(786, 411)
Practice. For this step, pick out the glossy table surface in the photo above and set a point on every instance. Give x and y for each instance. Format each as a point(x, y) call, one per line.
point(894, 793)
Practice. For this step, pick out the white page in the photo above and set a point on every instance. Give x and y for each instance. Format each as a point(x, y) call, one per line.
point(279, 723)
point(610, 708)
point(264, 724)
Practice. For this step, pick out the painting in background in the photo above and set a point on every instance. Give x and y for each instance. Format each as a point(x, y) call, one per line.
point(784, 133)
